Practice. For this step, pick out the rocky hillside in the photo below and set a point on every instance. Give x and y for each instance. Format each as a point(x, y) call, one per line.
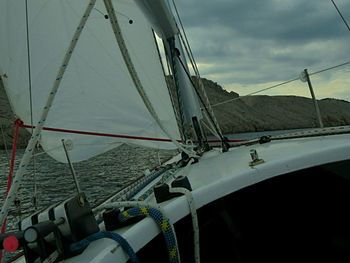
point(263, 113)
point(254, 113)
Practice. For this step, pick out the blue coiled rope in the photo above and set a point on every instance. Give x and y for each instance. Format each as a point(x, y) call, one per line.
point(162, 222)
point(82, 244)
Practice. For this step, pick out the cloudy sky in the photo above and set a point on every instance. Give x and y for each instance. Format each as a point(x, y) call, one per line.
point(247, 45)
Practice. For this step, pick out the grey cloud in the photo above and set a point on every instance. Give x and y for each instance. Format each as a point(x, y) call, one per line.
point(275, 39)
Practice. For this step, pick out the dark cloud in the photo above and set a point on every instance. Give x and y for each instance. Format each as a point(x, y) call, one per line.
point(275, 39)
point(291, 20)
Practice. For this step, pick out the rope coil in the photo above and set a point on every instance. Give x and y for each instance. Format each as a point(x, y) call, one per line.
point(144, 209)
point(163, 223)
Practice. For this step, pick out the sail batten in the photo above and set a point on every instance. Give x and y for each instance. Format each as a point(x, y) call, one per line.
point(96, 93)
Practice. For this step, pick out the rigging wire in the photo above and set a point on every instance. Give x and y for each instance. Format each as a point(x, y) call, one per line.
point(172, 97)
point(185, 41)
point(255, 92)
point(280, 84)
point(29, 65)
point(190, 54)
point(206, 104)
point(333, 67)
point(202, 101)
point(5, 143)
point(341, 15)
point(30, 99)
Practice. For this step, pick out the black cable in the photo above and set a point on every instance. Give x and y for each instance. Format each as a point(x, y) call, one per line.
point(186, 42)
point(30, 100)
point(29, 67)
point(281, 84)
point(323, 70)
point(342, 17)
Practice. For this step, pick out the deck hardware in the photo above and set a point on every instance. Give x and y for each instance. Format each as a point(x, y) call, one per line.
point(255, 158)
point(182, 182)
point(68, 146)
point(162, 191)
point(265, 139)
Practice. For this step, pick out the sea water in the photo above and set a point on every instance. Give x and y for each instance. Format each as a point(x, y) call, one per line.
point(51, 182)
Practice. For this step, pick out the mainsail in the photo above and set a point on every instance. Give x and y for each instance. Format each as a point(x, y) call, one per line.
point(97, 94)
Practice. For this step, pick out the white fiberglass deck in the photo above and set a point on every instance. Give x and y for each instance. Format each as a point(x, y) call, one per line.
point(218, 174)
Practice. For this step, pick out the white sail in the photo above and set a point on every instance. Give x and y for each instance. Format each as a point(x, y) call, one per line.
point(158, 13)
point(97, 94)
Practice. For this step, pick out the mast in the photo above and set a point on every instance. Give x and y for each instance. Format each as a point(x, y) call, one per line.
point(159, 14)
point(189, 105)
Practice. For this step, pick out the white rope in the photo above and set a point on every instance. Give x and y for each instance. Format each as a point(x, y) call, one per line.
point(193, 211)
point(190, 201)
point(194, 216)
point(211, 129)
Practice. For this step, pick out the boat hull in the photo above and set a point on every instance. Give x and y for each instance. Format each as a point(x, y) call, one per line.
point(293, 173)
point(218, 177)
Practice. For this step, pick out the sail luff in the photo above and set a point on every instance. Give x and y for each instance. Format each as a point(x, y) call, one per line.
point(188, 99)
point(169, 83)
point(132, 71)
point(37, 131)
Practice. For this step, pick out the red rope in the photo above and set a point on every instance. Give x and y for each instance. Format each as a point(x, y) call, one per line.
point(17, 125)
point(115, 135)
point(101, 134)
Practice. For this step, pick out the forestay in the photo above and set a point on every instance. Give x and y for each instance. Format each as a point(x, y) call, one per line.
point(96, 93)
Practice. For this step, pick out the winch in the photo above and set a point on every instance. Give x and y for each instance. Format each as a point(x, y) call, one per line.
point(52, 231)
